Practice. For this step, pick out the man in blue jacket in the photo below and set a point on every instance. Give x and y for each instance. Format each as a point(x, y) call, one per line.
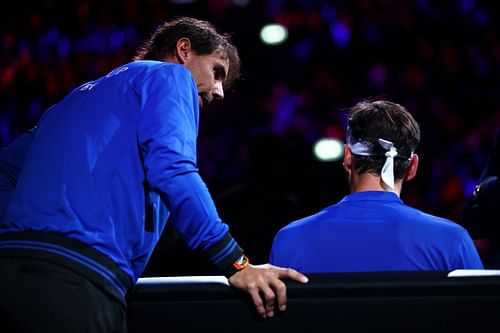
point(372, 229)
point(106, 168)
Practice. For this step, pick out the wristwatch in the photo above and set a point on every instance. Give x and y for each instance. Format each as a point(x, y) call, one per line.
point(241, 262)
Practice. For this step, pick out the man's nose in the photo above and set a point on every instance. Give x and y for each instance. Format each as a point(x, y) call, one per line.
point(218, 91)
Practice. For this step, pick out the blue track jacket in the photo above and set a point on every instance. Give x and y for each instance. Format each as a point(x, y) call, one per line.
point(112, 161)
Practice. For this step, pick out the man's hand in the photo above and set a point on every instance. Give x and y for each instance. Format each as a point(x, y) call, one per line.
point(263, 283)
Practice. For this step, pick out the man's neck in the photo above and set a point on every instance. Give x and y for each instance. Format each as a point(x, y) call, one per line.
point(368, 182)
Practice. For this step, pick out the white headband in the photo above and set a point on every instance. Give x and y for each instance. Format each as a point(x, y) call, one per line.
point(365, 148)
point(387, 173)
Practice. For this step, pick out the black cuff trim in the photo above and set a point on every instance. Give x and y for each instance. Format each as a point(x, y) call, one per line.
point(225, 265)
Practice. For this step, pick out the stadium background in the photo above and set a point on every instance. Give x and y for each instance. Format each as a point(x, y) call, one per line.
point(440, 59)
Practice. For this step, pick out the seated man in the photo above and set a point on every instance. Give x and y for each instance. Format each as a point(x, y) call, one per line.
point(372, 229)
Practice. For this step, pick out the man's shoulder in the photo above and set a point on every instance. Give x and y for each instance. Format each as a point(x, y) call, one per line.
point(437, 222)
point(155, 65)
point(152, 69)
point(307, 222)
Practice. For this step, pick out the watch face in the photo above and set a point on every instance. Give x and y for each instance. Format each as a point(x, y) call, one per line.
point(241, 262)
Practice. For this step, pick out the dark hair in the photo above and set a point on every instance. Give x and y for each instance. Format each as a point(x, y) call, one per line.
point(372, 120)
point(204, 37)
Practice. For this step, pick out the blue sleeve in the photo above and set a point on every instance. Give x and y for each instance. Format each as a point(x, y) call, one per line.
point(11, 162)
point(167, 137)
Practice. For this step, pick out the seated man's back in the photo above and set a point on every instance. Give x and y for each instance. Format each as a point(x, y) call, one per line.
point(372, 229)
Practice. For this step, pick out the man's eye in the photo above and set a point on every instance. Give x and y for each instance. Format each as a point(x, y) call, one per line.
point(219, 74)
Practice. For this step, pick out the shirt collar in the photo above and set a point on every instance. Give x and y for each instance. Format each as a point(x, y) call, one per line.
point(372, 196)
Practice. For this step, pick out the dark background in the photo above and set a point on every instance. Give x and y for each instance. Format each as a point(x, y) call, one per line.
point(440, 59)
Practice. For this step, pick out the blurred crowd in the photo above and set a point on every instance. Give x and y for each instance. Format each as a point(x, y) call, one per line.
point(440, 59)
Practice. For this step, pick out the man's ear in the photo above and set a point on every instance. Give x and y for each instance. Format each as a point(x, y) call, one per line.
point(347, 158)
point(183, 50)
point(412, 169)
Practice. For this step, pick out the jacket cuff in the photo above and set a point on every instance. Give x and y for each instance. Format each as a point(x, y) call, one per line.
point(227, 256)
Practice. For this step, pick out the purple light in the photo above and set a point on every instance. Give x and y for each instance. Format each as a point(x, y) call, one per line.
point(329, 12)
point(97, 42)
point(378, 74)
point(52, 36)
point(130, 34)
point(481, 17)
point(35, 110)
point(116, 39)
point(469, 186)
point(302, 49)
point(466, 5)
point(5, 131)
point(64, 47)
point(284, 114)
point(372, 35)
point(340, 34)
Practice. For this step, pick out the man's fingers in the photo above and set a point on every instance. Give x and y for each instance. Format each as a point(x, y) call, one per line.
point(280, 292)
point(257, 301)
point(280, 288)
point(269, 299)
point(264, 296)
point(265, 286)
point(293, 274)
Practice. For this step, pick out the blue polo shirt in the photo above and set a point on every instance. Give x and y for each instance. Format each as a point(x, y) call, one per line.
point(373, 231)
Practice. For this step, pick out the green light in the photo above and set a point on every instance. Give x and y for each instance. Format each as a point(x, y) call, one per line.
point(273, 34)
point(328, 149)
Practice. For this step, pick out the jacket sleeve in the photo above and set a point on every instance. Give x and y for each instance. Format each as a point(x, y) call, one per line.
point(167, 137)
